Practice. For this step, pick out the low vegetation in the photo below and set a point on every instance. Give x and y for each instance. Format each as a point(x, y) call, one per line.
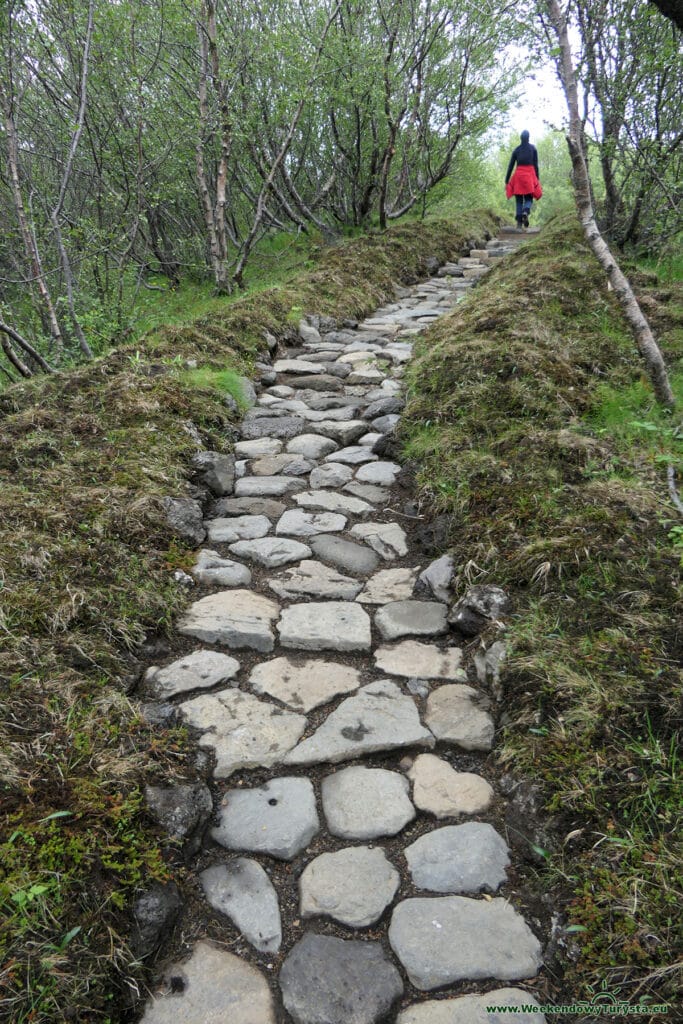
point(533, 430)
point(86, 564)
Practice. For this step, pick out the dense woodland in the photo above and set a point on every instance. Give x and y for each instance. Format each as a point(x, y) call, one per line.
point(146, 142)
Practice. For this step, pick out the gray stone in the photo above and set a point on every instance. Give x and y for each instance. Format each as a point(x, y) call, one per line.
point(313, 579)
point(271, 551)
point(278, 818)
point(247, 391)
point(355, 455)
point(442, 791)
point(368, 492)
point(363, 374)
point(383, 407)
point(183, 810)
point(353, 886)
point(295, 523)
point(388, 585)
point(382, 474)
point(250, 507)
point(243, 892)
point(473, 1009)
point(243, 731)
point(337, 415)
point(411, 618)
point(481, 605)
point(326, 980)
point(304, 684)
point(489, 664)
point(155, 914)
point(308, 334)
point(197, 671)
point(295, 366)
point(343, 433)
point(311, 446)
point(330, 475)
point(211, 987)
point(387, 539)
point(379, 717)
point(227, 531)
point(364, 803)
point(286, 464)
point(185, 519)
point(233, 618)
point(385, 424)
point(279, 391)
point(332, 501)
point(282, 427)
point(423, 661)
point(216, 471)
point(258, 448)
point(465, 859)
point(212, 570)
point(322, 382)
point(333, 626)
point(369, 439)
point(457, 714)
point(344, 554)
point(446, 939)
point(436, 579)
point(268, 486)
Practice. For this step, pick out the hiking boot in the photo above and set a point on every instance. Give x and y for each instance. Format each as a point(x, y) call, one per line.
point(525, 220)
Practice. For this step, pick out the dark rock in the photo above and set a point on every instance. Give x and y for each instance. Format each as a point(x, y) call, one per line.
point(432, 537)
point(387, 447)
point(182, 810)
point(155, 914)
point(248, 507)
point(316, 382)
point(337, 369)
point(283, 427)
point(185, 518)
point(383, 407)
point(163, 716)
point(528, 828)
point(326, 980)
point(215, 470)
point(481, 605)
point(432, 264)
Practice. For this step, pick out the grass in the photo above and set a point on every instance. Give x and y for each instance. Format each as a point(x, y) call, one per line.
point(535, 432)
point(86, 556)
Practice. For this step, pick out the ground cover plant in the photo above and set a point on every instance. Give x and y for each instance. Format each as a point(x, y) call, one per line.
point(534, 432)
point(86, 561)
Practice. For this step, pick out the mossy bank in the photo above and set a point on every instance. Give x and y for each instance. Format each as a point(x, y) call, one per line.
point(534, 434)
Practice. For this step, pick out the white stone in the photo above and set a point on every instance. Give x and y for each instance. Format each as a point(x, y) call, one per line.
point(330, 474)
point(352, 456)
point(196, 671)
point(232, 618)
point(227, 531)
point(472, 1009)
point(353, 886)
point(457, 714)
point(303, 684)
point(333, 626)
point(294, 523)
point(331, 501)
point(416, 660)
point(382, 473)
point(271, 551)
point(444, 792)
point(387, 539)
point(313, 579)
point(212, 570)
point(267, 486)
point(311, 446)
point(388, 585)
point(243, 731)
point(260, 447)
point(411, 618)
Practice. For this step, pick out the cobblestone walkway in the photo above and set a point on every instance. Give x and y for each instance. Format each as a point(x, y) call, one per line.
point(350, 873)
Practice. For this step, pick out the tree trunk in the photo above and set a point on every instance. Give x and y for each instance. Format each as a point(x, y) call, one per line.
point(645, 341)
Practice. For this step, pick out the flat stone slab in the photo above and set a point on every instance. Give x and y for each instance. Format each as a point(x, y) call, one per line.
point(243, 731)
point(353, 886)
point(415, 660)
point(344, 554)
point(442, 791)
point(326, 980)
point(379, 717)
point(283, 427)
point(472, 1009)
point(258, 448)
point(333, 626)
point(355, 455)
point(279, 818)
point(295, 523)
point(313, 579)
point(411, 618)
point(437, 577)
point(364, 803)
point(387, 539)
point(268, 486)
point(388, 585)
point(303, 684)
point(331, 501)
point(458, 715)
point(233, 618)
point(311, 446)
point(381, 473)
point(271, 551)
point(343, 433)
point(287, 464)
point(295, 366)
point(226, 531)
point(368, 492)
point(331, 474)
point(209, 988)
point(212, 570)
point(243, 892)
point(196, 671)
point(268, 507)
point(452, 938)
point(467, 859)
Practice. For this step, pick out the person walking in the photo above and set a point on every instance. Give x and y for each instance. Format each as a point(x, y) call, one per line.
point(523, 184)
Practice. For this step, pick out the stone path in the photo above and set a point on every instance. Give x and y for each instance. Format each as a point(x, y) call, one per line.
point(348, 870)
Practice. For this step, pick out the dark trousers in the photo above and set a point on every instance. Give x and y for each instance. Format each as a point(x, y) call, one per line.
point(523, 206)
